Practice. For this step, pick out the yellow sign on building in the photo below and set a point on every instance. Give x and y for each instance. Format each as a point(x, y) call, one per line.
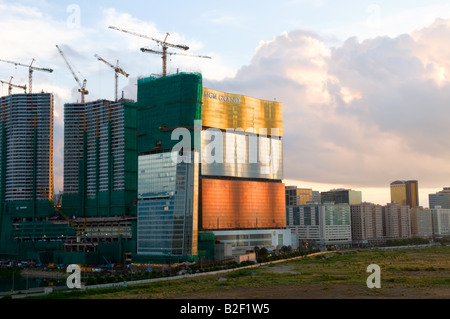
point(232, 111)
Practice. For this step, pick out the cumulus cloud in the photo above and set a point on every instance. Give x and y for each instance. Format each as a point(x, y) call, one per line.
point(361, 113)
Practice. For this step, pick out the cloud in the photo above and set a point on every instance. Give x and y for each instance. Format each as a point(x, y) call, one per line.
point(361, 113)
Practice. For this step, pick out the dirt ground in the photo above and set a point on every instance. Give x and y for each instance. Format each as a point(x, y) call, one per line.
point(314, 291)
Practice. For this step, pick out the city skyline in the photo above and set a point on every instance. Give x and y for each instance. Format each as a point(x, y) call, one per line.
point(364, 93)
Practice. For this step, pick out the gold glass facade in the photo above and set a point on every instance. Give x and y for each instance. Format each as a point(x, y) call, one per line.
point(398, 194)
point(232, 204)
point(231, 111)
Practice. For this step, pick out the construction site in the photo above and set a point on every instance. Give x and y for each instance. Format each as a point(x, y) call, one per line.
point(112, 210)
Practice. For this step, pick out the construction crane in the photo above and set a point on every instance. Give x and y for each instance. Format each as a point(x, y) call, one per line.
point(82, 88)
point(117, 70)
point(10, 86)
point(164, 44)
point(173, 53)
point(30, 71)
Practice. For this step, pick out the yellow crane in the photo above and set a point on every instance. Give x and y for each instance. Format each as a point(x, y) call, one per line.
point(30, 71)
point(164, 44)
point(117, 70)
point(10, 86)
point(82, 88)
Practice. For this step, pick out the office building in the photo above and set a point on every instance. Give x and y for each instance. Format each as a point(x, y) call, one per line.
point(421, 222)
point(298, 196)
point(396, 221)
point(233, 189)
point(441, 221)
point(367, 223)
point(341, 196)
point(405, 193)
point(441, 198)
point(26, 166)
point(320, 225)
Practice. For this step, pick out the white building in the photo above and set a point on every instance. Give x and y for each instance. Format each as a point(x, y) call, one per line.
point(320, 225)
point(441, 221)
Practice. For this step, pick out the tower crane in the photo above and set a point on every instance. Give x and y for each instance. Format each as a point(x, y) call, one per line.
point(10, 86)
point(164, 44)
point(174, 53)
point(117, 70)
point(30, 71)
point(82, 88)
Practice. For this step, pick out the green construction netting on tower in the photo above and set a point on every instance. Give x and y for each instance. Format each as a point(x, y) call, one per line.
point(165, 104)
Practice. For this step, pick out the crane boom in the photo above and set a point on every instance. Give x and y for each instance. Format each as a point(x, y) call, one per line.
point(163, 43)
point(117, 70)
point(10, 86)
point(175, 53)
point(82, 88)
point(30, 71)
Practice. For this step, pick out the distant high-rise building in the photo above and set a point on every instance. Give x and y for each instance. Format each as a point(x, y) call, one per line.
point(291, 195)
point(26, 162)
point(396, 221)
point(441, 221)
point(298, 196)
point(421, 222)
point(405, 193)
point(367, 223)
point(342, 196)
point(441, 198)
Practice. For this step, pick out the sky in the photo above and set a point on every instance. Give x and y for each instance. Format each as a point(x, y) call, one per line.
point(364, 84)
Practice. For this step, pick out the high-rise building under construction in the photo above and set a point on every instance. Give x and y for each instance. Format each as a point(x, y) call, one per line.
point(26, 164)
point(99, 159)
point(210, 162)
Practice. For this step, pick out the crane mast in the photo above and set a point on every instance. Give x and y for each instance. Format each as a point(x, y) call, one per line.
point(82, 88)
point(31, 68)
point(117, 70)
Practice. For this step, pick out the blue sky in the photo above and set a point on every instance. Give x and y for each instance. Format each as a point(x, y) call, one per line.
point(363, 83)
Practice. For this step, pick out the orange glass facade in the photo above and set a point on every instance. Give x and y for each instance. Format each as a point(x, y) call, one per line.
point(232, 204)
point(231, 111)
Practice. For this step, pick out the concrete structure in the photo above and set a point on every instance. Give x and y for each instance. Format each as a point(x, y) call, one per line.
point(396, 221)
point(441, 198)
point(367, 223)
point(320, 225)
point(100, 159)
point(341, 196)
point(26, 166)
point(441, 221)
point(405, 193)
point(421, 222)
